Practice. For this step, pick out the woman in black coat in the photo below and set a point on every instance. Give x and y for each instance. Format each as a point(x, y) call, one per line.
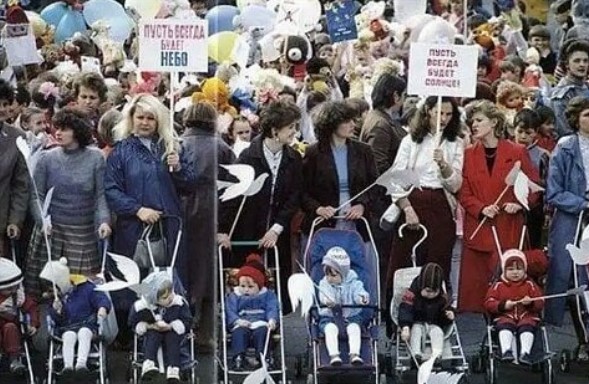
point(335, 169)
point(266, 216)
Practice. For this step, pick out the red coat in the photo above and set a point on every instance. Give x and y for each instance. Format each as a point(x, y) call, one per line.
point(480, 189)
point(521, 314)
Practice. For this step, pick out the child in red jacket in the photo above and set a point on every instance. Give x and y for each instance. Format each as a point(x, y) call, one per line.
point(13, 299)
point(509, 302)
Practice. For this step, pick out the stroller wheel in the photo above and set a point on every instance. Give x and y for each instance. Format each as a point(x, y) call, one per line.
point(564, 360)
point(547, 372)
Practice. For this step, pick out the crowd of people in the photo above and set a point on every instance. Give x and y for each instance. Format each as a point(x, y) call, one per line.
point(103, 150)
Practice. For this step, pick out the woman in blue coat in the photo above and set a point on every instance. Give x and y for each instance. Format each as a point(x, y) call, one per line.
point(566, 191)
point(145, 173)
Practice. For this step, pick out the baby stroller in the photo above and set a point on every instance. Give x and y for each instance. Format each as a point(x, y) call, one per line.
point(24, 321)
point(187, 349)
point(488, 359)
point(366, 266)
point(453, 356)
point(97, 366)
point(275, 355)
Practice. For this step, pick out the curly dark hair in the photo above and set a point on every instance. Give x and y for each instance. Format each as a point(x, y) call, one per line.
point(76, 119)
point(420, 123)
point(92, 81)
point(569, 47)
point(574, 109)
point(330, 115)
point(385, 88)
point(527, 119)
point(6, 91)
point(276, 115)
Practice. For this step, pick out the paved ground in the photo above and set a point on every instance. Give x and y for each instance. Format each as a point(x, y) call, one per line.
point(471, 329)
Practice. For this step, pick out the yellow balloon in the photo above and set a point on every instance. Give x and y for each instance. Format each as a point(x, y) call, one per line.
point(221, 45)
point(147, 9)
point(39, 25)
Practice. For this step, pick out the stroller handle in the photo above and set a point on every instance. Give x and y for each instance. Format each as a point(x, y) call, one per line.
point(414, 249)
point(250, 243)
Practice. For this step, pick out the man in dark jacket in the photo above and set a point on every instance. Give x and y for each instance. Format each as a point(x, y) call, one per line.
point(14, 178)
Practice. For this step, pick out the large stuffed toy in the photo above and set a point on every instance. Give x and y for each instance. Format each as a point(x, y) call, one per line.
point(216, 92)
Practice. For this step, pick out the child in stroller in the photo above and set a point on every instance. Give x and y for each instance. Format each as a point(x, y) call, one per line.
point(13, 300)
point(341, 286)
point(509, 302)
point(75, 314)
point(250, 310)
point(162, 317)
point(425, 311)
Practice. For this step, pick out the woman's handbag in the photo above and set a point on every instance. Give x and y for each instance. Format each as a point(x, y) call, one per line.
point(151, 252)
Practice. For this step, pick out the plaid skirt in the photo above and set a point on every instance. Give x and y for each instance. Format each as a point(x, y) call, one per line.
point(78, 244)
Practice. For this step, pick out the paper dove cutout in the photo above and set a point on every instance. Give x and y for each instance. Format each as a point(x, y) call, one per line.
point(580, 256)
point(445, 378)
point(585, 238)
point(244, 173)
point(240, 146)
point(256, 185)
point(512, 175)
point(45, 216)
point(260, 375)
point(392, 179)
point(301, 289)
point(522, 187)
point(130, 272)
point(23, 147)
point(425, 370)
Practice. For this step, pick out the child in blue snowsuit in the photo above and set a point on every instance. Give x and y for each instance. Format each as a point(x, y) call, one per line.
point(250, 310)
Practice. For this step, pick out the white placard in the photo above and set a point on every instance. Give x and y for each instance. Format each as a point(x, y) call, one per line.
point(171, 45)
point(21, 50)
point(442, 70)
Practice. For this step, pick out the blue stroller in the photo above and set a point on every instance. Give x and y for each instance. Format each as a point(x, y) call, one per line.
point(365, 264)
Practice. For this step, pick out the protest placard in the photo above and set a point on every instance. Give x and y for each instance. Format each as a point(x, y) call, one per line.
point(341, 24)
point(21, 48)
point(442, 70)
point(171, 45)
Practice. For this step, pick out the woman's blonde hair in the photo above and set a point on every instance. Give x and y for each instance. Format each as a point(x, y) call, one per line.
point(150, 104)
point(490, 110)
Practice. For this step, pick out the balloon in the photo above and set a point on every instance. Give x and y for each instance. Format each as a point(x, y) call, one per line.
point(438, 31)
point(72, 22)
point(258, 16)
point(404, 10)
point(221, 45)
point(53, 13)
point(120, 28)
point(241, 4)
point(221, 18)
point(416, 24)
point(147, 9)
point(95, 10)
point(39, 25)
point(305, 13)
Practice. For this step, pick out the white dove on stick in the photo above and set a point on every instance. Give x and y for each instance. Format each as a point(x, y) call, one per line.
point(425, 370)
point(445, 378)
point(522, 187)
point(244, 173)
point(580, 256)
point(301, 290)
point(128, 269)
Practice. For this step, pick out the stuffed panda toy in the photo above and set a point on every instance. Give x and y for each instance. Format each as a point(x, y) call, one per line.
point(296, 49)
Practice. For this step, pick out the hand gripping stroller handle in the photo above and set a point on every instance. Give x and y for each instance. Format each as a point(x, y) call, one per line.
point(245, 243)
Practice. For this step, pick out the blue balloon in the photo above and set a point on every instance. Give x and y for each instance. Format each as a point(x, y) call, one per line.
point(258, 16)
point(120, 28)
point(221, 18)
point(95, 10)
point(72, 22)
point(53, 13)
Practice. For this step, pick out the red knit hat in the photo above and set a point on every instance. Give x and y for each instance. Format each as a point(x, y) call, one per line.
point(254, 268)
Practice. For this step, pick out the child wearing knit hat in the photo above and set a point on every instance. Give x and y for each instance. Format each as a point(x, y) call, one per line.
point(509, 302)
point(250, 310)
point(341, 287)
point(425, 311)
point(13, 299)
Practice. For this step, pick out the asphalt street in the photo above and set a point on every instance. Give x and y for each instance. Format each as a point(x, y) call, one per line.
point(471, 328)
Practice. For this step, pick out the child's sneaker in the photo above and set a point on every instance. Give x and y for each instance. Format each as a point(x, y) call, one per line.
point(507, 356)
point(238, 363)
point(17, 367)
point(356, 359)
point(173, 375)
point(526, 359)
point(335, 361)
point(148, 371)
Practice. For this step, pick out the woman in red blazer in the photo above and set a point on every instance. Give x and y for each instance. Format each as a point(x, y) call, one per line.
point(486, 165)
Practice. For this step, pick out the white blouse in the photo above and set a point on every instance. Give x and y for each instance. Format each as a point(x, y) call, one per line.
point(420, 157)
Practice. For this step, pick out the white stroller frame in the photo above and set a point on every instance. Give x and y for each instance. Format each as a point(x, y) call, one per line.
point(224, 364)
point(380, 378)
point(23, 321)
point(402, 281)
point(190, 337)
point(489, 345)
